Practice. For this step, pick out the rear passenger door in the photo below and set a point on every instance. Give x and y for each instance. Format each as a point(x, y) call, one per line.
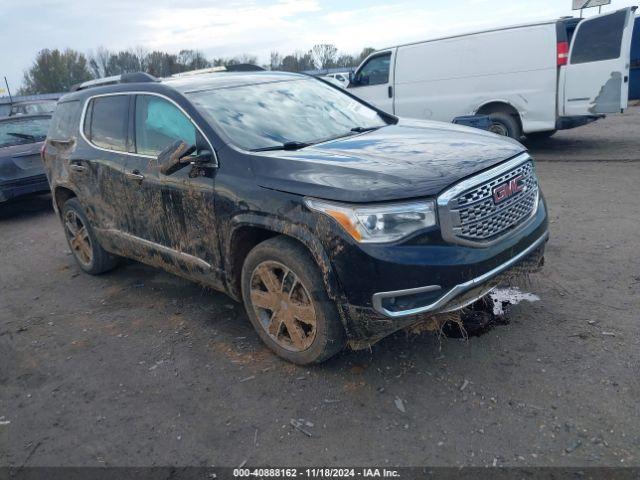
point(596, 78)
point(173, 214)
point(97, 172)
point(373, 81)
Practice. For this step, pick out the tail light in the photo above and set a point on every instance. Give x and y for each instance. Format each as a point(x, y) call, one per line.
point(563, 53)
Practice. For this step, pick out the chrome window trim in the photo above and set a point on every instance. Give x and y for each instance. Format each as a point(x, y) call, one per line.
point(140, 155)
point(459, 289)
point(444, 199)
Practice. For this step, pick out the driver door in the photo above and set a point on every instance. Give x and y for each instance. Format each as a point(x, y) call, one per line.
point(373, 81)
point(172, 216)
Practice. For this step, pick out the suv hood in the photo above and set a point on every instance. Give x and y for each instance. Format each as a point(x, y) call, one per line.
point(410, 159)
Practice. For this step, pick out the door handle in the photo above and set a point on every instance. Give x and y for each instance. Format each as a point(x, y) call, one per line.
point(76, 166)
point(134, 175)
point(390, 91)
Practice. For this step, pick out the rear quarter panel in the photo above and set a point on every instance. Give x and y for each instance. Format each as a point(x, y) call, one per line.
point(61, 142)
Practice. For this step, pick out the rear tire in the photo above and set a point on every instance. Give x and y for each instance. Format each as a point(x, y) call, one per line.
point(505, 124)
point(286, 300)
point(87, 252)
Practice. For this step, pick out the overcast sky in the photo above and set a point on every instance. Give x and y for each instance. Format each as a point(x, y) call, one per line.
point(232, 27)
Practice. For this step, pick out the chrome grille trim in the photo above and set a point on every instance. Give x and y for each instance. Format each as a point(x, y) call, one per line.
point(468, 214)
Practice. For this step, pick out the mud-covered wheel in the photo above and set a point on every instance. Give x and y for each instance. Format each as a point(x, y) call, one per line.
point(287, 303)
point(88, 253)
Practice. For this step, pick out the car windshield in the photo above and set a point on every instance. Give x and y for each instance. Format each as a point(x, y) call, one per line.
point(23, 130)
point(266, 115)
point(45, 106)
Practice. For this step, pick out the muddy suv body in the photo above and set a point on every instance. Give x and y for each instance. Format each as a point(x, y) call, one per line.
point(344, 239)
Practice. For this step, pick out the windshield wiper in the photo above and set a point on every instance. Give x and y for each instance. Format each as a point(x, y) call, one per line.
point(284, 146)
point(365, 129)
point(24, 136)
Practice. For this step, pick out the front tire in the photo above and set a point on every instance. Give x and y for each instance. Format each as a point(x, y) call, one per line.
point(286, 300)
point(86, 250)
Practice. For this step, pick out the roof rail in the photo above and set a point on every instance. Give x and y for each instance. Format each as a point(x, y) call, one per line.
point(238, 67)
point(135, 77)
point(200, 71)
point(244, 67)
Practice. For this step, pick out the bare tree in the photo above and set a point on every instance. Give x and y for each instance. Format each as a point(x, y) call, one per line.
point(243, 58)
point(324, 55)
point(192, 60)
point(99, 61)
point(54, 70)
point(275, 61)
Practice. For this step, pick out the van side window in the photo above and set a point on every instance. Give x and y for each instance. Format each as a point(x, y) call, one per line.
point(160, 123)
point(599, 39)
point(106, 122)
point(375, 71)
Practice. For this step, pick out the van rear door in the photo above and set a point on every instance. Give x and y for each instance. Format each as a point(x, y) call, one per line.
point(596, 78)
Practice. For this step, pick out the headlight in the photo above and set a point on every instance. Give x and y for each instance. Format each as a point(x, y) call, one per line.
point(378, 223)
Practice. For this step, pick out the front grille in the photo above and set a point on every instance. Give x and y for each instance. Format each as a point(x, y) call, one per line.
point(469, 214)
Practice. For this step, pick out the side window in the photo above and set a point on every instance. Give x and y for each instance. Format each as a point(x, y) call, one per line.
point(375, 71)
point(64, 122)
point(599, 39)
point(106, 122)
point(159, 123)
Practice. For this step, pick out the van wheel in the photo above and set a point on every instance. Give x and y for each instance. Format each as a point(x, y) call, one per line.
point(287, 303)
point(505, 124)
point(88, 253)
point(541, 135)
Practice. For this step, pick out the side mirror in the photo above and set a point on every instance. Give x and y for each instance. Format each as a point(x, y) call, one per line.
point(202, 165)
point(205, 156)
point(173, 158)
point(352, 78)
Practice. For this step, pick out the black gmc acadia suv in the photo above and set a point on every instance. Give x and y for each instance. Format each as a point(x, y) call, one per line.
point(334, 222)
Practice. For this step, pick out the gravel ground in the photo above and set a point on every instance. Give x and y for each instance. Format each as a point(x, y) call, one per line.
point(137, 367)
point(615, 138)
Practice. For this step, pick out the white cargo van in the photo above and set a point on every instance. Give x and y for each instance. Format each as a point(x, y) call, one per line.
point(531, 79)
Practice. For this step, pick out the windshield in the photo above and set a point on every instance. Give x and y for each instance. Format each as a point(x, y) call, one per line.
point(267, 115)
point(23, 130)
point(45, 106)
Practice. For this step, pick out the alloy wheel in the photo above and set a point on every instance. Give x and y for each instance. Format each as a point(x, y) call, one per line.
point(283, 306)
point(78, 237)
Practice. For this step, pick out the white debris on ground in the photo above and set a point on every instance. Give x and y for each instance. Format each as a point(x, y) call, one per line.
point(512, 296)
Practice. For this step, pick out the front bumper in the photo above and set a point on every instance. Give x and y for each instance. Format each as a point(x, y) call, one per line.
point(446, 302)
point(391, 287)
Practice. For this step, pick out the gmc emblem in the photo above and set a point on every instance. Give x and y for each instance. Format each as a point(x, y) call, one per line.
point(506, 190)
